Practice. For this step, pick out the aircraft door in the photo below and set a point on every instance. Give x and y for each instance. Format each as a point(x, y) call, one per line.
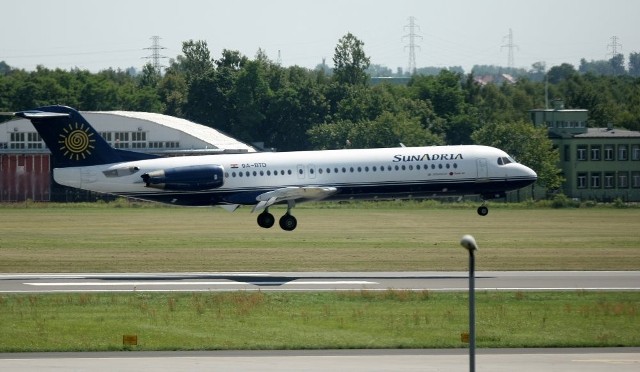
point(311, 171)
point(483, 169)
point(300, 171)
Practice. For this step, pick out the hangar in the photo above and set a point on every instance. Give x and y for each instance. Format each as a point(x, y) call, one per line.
point(25, 166)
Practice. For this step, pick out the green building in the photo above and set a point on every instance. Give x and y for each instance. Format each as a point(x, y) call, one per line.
point(597, 163)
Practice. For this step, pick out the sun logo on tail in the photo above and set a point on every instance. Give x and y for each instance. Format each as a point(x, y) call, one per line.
point(76, 142)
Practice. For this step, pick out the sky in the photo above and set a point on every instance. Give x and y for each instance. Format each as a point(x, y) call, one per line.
point(99, 34)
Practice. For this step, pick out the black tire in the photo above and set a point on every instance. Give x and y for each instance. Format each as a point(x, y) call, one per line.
point(483, 211)
point(288, 222)
point(266, 220)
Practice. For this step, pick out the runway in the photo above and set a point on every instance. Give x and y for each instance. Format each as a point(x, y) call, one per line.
point(494, 360)
point(322, 281)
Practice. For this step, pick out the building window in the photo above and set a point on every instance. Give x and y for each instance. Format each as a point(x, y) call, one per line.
point(16, 140)
point(635, 152)
point(609, 180)
point(139, 140)
point(121, 140)
point(107, 136)
point(34, 141)
point(623, 152)
point(567, 153)
point(608, 152)
point(623, 180)
point(582, 153)
point(595, 180)
point(582, 181)
point(595, 152)
point(635, 180)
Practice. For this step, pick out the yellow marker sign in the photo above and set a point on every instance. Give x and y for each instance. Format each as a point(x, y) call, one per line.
point(131, 340)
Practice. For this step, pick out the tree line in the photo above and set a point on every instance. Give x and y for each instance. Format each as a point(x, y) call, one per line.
point(256, 100)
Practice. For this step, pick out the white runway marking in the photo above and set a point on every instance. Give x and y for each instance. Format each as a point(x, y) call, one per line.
point(119, 284)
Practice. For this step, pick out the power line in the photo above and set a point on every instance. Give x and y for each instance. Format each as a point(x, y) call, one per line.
point(412, 35)
point(510, 47)
point(155, 54)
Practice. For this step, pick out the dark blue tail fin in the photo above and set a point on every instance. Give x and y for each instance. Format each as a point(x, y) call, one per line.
point(73, 142)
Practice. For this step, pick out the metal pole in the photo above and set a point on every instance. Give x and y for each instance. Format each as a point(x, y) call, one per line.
point(472, 313)
point(469, 243)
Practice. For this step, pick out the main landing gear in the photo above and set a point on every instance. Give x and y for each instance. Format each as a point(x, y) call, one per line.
point(287, 222)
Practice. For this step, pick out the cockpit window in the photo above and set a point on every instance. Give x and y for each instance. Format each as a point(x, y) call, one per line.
point(505, 160)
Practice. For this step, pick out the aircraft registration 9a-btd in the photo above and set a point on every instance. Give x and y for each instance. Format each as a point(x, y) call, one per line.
point(83, 159)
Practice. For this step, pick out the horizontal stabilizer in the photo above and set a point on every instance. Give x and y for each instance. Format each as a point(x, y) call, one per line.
point(41, 114)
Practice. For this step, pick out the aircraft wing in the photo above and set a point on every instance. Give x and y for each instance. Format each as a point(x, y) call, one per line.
point(292, 193)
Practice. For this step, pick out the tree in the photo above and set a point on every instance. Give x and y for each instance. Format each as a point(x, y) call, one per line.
point(197, 59)
point(634, 64)
point(350, 62)
point(444, 91)
point(617, 64)
point(529, 145)
point(558, 73)
point(251, 94)
point(388, 130)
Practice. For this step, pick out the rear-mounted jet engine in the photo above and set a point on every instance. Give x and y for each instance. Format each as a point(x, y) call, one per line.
point(189, 178)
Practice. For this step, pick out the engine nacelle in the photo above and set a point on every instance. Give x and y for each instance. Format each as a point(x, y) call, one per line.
point(188, 178)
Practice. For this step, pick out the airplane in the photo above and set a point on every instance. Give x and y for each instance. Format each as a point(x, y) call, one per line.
point(82, 159)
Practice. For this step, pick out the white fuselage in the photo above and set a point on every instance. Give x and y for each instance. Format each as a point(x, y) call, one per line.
point(366, 173)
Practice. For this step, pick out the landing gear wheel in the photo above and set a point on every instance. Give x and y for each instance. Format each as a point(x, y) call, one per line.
point(266, 220)
point(288, 222)
point(483, 210)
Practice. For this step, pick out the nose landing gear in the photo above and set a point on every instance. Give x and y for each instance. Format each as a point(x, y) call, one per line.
point(483, 210)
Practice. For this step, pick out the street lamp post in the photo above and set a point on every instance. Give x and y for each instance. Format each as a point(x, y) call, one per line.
point(469, 243)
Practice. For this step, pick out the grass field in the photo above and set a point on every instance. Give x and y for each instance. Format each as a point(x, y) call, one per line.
point(92, 238)
point(330, 320)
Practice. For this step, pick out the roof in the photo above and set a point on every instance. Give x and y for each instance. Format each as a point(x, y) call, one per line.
point(608, 133)
point(202, 132)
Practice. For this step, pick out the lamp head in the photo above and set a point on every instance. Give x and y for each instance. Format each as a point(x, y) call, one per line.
point(469, 243)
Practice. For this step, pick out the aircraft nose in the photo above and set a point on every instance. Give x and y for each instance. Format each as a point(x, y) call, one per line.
point(529, 173)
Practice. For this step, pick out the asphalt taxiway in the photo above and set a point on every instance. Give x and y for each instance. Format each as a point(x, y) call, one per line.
point(494, 360)
point(322, 281)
